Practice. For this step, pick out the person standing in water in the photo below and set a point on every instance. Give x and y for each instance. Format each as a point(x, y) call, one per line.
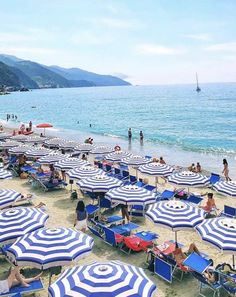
point(129, 133)
point(226, 170)
point(141, 136)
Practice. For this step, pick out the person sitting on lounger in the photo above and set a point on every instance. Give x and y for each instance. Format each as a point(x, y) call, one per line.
point(210, 204)
point(14, 279)
point(180, 256)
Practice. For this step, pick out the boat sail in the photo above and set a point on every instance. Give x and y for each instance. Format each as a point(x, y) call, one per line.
point(198, 89)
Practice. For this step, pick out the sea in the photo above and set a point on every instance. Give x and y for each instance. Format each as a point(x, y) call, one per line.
point(178, 123)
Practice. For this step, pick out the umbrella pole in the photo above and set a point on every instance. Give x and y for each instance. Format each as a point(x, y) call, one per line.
point(233, 261)
point(175, 236)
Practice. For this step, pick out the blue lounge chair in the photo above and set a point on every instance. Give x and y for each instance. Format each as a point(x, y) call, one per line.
point(195, 200)
point(108, 168)
point(148, 157)
point(18, 290)
point(100, 165)
point(166, 195)
point(92, 210)
point(125, 175)
point(150, 188)
point(214, 178)
point(111, 238)
point(205, 284)
point(163, 269)
point(229, 211)
point(95, 232)
point(140, 184)
point(137, 211)
point(133, 179)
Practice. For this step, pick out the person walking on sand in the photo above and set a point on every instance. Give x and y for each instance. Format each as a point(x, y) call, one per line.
point(226, 170)
point(129, 133)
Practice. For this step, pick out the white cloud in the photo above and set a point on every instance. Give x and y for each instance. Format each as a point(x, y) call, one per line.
point(90, 38)
point(15, 37)
point(227, 47)
point(156, 49)
point(118, 23)
point(201, 37)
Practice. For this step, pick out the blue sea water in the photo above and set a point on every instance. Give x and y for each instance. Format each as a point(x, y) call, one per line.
point(174, 118)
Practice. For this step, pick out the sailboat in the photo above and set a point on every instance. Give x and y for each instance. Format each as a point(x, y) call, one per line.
point(198, 89)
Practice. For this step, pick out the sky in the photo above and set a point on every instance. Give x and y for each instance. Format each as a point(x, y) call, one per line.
point(146, 42)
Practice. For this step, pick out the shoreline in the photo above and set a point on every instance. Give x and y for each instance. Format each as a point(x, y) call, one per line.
point(172, 155)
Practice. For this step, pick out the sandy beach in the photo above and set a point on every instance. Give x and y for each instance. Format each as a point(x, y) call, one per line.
point(61, 212)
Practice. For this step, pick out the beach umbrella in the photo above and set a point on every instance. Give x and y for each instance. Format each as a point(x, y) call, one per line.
point(54, 142)
point(8, 197)
point(84, 172)
point(189, 179)
point(99, 183)
point(156, 169)
point(51, 159)
point(101, 150)
point(44, 126)
point(4, 135)
point(9, 144)
point(221, 233)
point(50, 247)
point(20, 137)
point(70, 163)
point(117, 156)
point(175, 215)
point(38, 152)
point(19, 150)
point(34, 139)
point(1, 165)
point(103, 279)
point(131, 195)
point(68, 144)
point(227, 188)
point(16, 222)
point(135, 161)
point(5, 174)
point(84, 148)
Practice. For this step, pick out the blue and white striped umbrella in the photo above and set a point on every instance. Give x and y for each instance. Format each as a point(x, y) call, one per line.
point(189, 179)
point(19, 150)
point(53, 142)
point(8, 197)
point(101, 150)
point(38, 152)
point(106, 279)
point(1, 165)
point(135, 161)
point(50, 247)
point(16, 222)
point(9, 144)
point(156, 169)
point(219, 232)
point(34, 139)
point(70, 163)
point(131, 195)
point(227, 188)
point(84, 147)
point(51, 158)
point(175, 215)
point(5, 174)
point(99, 183)
point(68, 145)
point(4, 135)
point(84, 172)
point(20, 137)
point(117, 156)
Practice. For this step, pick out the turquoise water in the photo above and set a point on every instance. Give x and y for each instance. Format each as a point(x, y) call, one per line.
point(170, 116)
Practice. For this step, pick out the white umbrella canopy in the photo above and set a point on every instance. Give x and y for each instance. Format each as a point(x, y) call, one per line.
point(9, 144)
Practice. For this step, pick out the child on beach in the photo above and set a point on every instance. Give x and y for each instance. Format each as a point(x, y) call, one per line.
point(81, 217)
